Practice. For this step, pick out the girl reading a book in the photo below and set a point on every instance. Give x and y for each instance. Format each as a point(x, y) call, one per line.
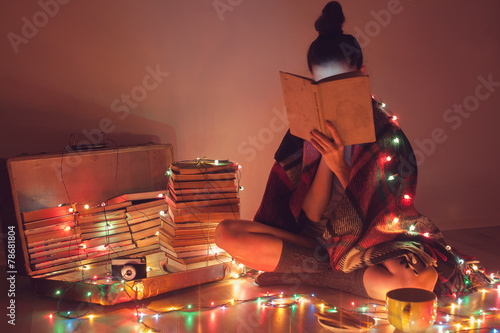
point(342, 216)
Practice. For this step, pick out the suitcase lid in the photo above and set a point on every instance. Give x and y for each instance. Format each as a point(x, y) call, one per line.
point(47, 180)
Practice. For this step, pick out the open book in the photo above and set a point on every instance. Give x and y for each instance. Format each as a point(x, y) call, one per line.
point(344, 100)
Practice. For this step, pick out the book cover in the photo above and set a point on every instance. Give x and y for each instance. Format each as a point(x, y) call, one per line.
point(344, 100)
point(137, 196)
point(47, 213)
point(200, 166)
point(104, 209)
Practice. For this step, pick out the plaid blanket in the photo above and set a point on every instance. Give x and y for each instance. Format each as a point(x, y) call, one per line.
point(375, 219)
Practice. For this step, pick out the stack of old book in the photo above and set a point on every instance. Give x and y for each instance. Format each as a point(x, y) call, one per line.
point(201, 193)
point(74, 235)
point(52, 237)
point(143, 220)
point(104, 229)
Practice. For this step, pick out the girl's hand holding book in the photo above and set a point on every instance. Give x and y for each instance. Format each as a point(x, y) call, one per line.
point(332, 152)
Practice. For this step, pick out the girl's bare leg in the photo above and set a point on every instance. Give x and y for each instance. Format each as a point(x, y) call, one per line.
point(391, 274)
point(255, 244)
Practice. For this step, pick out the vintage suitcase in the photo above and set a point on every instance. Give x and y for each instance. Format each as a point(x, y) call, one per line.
point(80, 180)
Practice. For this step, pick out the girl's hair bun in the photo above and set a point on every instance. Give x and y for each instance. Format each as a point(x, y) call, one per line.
point(331, 20)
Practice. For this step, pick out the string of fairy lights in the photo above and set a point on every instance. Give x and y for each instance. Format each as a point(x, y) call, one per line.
point(450, 317)
point(75, 208)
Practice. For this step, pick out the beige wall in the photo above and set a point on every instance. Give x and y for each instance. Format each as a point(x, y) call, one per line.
point(218, 93)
